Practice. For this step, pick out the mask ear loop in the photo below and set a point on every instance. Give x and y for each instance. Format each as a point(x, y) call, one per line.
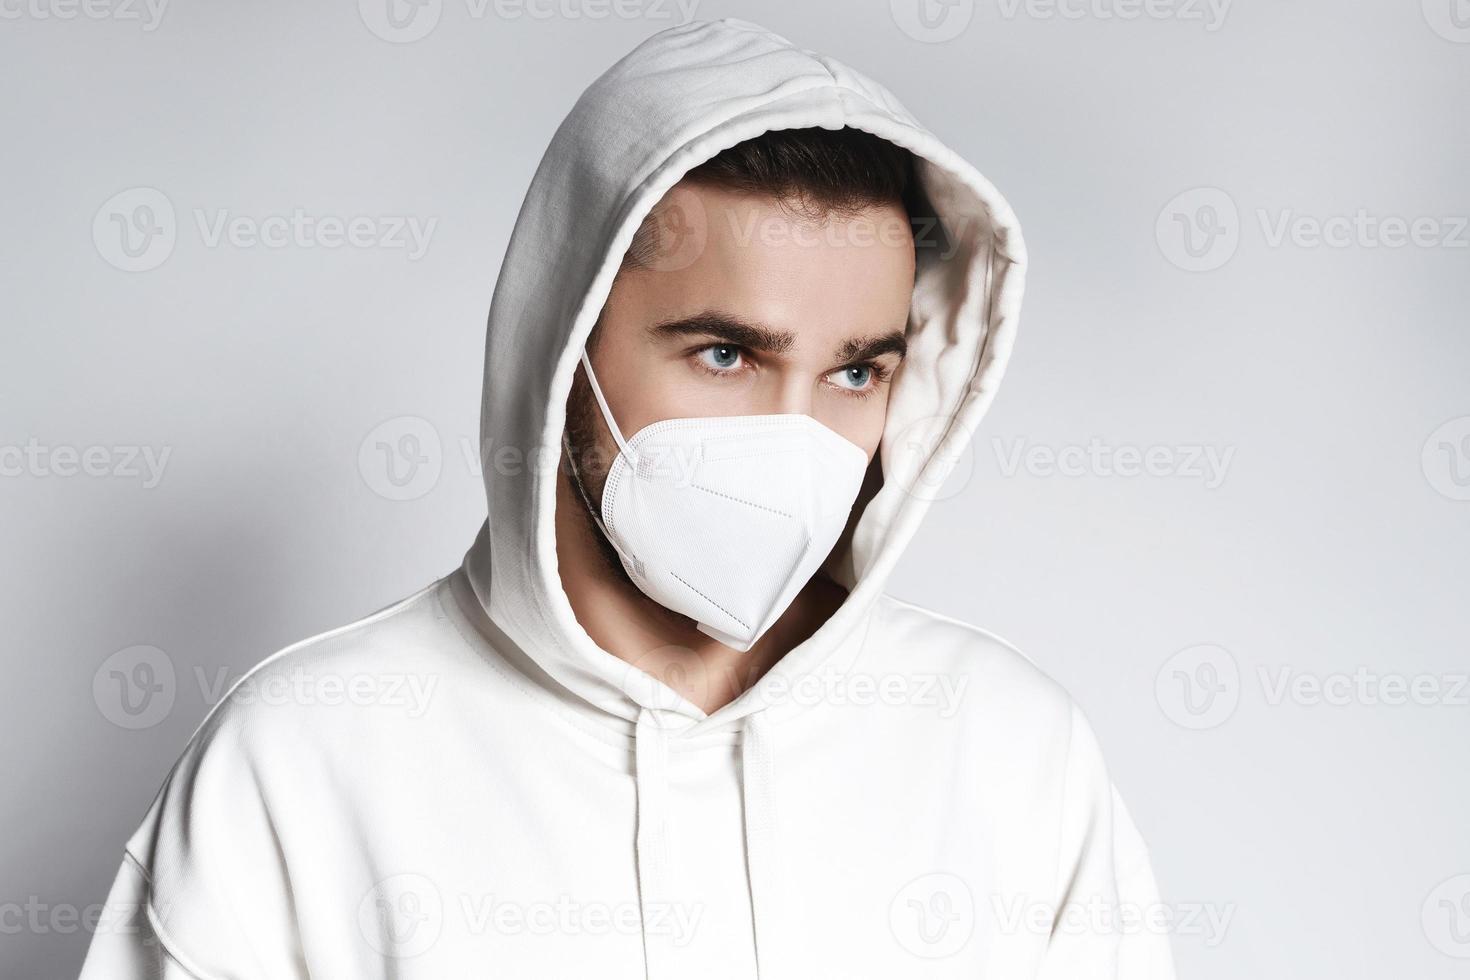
point(606, 412)
point(566, 446)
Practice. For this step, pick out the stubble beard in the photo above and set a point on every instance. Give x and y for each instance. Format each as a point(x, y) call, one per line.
point(592, 463)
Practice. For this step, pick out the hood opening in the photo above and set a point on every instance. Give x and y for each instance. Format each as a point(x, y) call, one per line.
point(678, 99)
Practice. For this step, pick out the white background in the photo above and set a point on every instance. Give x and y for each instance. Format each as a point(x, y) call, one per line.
point(1333, 547)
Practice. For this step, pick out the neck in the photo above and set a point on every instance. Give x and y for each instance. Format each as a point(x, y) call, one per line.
point(632, 627)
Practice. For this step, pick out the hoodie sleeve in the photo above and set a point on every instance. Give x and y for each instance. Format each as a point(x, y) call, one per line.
point(126, 945)
point(1108, 908)
point(202, 892)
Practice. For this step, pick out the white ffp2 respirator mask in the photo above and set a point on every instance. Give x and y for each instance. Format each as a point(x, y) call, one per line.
point(725, 519)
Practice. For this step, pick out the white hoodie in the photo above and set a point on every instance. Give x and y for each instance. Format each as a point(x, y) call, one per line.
point(463, 785)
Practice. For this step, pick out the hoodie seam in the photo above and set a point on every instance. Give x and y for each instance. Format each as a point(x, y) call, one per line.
point(1064, 885)
point(970, 627)
point(217, 711)
point(166, 942)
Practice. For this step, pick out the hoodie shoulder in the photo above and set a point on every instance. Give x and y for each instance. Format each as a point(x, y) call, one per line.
point(252, 792)
point(363, 669)
point(306, 673)
point(1039, 757)
point(343, 682)
point(912, 637)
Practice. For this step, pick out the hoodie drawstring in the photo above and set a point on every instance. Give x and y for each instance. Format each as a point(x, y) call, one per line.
point(757, 786)
point(651, 783)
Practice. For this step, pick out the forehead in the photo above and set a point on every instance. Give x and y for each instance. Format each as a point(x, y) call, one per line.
point(829, 275)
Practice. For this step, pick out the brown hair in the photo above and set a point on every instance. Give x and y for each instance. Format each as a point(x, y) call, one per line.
point(813, 171)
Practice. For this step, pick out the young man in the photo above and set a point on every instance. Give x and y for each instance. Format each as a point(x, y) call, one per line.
point(676, 727)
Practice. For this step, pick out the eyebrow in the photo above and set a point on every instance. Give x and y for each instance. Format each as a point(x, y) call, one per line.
point(764, 339)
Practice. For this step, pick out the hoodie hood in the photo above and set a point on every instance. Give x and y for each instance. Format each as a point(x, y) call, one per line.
point(675, 101)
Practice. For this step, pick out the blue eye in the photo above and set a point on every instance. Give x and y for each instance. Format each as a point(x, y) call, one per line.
point(721, 356)
point(856, 376)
